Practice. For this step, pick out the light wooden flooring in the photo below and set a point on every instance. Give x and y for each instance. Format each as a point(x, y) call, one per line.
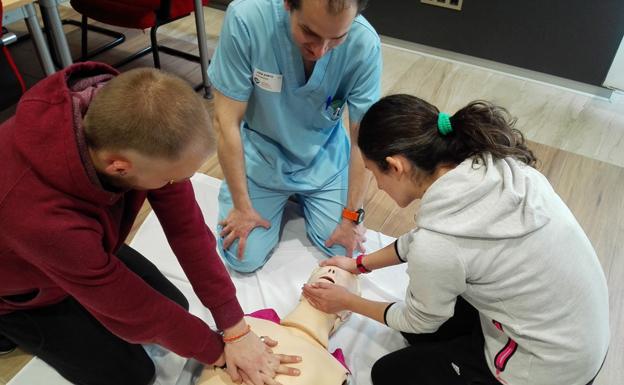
point(578, 138)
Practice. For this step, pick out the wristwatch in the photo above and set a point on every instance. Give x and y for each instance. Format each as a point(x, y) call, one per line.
point(355, 216)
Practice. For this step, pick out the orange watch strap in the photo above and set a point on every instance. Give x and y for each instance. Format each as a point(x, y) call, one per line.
point(348, 214)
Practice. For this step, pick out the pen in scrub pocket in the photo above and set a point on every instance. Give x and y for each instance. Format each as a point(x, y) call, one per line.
point(336, 106)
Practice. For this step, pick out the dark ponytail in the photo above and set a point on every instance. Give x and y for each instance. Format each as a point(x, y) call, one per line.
point(406, 125)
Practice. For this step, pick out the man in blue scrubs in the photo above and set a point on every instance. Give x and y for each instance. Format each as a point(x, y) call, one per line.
point(284, 73)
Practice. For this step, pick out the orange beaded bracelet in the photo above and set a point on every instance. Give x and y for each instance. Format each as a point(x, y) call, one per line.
point(229, 340)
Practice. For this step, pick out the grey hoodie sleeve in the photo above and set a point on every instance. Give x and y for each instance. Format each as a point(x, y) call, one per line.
point(436, 277)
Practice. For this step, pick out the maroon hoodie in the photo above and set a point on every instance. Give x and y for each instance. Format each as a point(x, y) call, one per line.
point(59, 230)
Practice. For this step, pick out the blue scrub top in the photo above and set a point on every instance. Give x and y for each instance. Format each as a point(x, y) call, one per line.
point(292, 131)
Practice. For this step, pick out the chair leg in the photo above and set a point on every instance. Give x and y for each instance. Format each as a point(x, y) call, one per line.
point(84, 27)
point(118, 37)
point(200, 28)
point(133, 57)
point(155, 47)
point(178, 53)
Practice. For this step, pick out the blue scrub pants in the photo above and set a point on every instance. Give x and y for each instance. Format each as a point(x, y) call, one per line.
point(322, 209)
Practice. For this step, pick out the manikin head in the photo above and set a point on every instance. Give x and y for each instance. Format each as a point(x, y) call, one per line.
point(146, 128)
point(340, 277)
point(317, 26)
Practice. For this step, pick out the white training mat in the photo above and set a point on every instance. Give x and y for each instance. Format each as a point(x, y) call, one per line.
point(277, 285)
point(171, 369)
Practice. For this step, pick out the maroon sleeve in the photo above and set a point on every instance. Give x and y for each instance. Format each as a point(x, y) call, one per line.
point(194, 245)
point(67, 248)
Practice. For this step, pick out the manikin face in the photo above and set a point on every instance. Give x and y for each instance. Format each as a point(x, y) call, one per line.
point(316, 30)
point(339, 277)
point(335, 275)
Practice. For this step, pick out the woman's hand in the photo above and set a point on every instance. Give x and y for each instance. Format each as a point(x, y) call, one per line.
point(328, 297)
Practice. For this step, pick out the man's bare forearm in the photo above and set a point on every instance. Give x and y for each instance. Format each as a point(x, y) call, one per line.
point(357, 173)
point(228, 115)
point(231, 158)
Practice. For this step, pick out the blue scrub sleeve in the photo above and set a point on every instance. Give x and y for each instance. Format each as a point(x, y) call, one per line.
point(367, 87)
point(230, 69)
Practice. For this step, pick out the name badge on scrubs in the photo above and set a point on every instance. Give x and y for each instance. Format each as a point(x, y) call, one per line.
point(267, 81)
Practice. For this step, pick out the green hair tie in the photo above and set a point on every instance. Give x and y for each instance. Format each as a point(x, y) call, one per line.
point(444, 123)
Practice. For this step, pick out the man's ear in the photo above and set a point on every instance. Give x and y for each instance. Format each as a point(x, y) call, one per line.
point(116, 165)
point(287, 5)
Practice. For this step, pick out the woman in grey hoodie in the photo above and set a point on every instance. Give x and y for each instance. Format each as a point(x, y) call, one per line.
point(504, 285)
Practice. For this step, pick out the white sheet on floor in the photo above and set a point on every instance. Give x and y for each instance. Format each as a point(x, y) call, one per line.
point(277, 285)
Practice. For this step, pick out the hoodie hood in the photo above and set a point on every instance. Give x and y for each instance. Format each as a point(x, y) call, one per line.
point(492, 200)
point(47, 118)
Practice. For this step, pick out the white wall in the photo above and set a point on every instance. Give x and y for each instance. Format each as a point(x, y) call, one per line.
point(615, 77)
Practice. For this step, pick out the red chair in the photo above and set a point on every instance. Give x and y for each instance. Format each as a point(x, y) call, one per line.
point(143, 14)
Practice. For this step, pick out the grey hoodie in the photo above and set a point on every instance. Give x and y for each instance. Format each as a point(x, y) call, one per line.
point(498, 235)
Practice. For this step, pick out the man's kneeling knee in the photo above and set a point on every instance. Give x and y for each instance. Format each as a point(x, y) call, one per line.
point(247, 264)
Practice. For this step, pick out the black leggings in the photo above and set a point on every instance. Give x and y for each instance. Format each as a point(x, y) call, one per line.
point(437, 358)
point(78, 346)
point(453, 355)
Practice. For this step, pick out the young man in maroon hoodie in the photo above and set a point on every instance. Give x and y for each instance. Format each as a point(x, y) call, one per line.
point(84, 150)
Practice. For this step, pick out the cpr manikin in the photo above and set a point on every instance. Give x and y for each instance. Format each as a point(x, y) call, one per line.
point(303, 332)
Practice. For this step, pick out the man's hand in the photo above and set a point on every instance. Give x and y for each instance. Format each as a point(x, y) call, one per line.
point(350, 235)
point(238, 225)
point(220, 362)
point(328, 297)
point(345, 263)
point(252, 361)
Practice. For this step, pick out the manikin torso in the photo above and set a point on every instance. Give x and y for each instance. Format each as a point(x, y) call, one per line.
point(303, 332)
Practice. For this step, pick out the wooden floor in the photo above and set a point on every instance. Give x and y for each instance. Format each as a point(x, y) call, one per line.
point(578, 138)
